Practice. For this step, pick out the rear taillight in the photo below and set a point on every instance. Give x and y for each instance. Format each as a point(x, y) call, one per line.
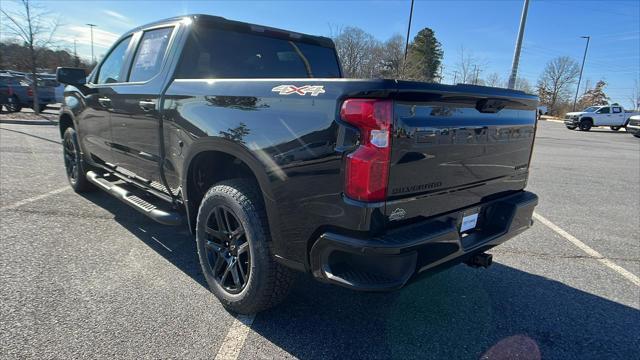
point(367, 170)
point(29, 92)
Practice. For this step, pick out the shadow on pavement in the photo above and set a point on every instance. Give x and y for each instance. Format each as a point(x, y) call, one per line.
point(174, 243)
point(608, 131)
point(33, 136)
point(28, 122)
point(461, 313)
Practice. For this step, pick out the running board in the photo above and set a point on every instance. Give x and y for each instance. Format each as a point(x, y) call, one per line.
point(163, 216)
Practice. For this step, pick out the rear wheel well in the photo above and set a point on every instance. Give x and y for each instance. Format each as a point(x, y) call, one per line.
point(65, 122)
point(209, 168)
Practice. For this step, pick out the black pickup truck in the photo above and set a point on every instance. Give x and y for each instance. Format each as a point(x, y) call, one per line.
point(250, 136)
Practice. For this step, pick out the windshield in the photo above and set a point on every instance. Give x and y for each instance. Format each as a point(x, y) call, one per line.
point(591, 109)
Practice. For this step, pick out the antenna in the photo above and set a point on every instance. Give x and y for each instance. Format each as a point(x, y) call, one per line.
point(406, 43)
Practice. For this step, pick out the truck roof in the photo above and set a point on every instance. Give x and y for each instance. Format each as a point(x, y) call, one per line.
point(212, 19)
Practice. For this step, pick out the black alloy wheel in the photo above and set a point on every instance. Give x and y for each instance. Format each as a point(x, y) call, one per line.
point(14, 105)
point(585, 125)
point(71, 159)
point(228, 252)
point(233, 242)
point(75, 168)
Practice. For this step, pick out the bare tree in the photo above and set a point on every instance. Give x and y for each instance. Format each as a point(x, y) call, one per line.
point(494, 80)
point(392, 57)
point(468, 68)
point(587, 86)
point(557, 80)
point(522, 84)
point(359, 53)
point(36, 28)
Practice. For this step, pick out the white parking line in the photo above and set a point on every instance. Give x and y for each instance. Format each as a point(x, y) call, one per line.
point(35, 198)
point(591, 252)
point(236, 336)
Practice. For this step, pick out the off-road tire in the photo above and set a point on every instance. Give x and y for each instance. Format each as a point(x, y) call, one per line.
point(268, 282)
point(14, 106)
point(585, 125)
point(71, 153)
point(615, 128)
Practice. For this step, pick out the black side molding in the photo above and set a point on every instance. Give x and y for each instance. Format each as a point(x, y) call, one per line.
point(163, 216)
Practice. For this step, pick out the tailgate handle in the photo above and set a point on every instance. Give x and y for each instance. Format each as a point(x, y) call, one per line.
point(491, 106)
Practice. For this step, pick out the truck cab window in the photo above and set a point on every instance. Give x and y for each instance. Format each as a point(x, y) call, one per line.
point(604, 110)
point(111, 66)
point(216, 53)
point(617, 110)
point(150, 54)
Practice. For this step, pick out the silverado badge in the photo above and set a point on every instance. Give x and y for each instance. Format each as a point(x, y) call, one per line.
point(314, 90)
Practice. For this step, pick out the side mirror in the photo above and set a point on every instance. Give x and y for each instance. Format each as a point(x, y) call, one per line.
point(71, 76)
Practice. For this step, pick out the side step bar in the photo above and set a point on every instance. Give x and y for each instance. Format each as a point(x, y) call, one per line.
point(163, 216)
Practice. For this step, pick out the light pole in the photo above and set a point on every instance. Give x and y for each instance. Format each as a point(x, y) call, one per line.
point(584, 57)
point(516, 53)
point(93, 59)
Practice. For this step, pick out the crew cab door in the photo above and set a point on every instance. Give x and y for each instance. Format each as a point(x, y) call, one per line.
point(617, 116)
point(602, 116)
point(135, 116)
point(94, 121)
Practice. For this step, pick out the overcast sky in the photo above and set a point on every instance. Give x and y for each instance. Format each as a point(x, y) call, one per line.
point(485, 28)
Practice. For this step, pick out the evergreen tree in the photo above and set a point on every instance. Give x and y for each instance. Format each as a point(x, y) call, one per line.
point(595, 96)
point(424, 57)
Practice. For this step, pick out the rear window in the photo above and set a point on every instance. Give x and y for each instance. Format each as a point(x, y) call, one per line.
point(224, 54)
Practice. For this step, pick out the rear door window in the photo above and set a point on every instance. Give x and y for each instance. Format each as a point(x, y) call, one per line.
point(616, 110)
point(224, 54)
point(150, 54)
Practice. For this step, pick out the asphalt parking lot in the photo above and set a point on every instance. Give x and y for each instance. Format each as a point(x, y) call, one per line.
point(86, 276)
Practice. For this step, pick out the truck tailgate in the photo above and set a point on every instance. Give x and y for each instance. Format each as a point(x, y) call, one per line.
point(456, 146)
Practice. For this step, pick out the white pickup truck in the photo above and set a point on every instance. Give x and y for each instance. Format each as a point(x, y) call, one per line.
point(613, 116)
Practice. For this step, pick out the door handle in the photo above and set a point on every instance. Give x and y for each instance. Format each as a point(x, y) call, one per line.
point(147, 105)
point(104, 102)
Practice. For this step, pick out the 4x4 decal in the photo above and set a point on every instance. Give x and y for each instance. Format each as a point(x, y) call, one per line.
point(314, 90)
